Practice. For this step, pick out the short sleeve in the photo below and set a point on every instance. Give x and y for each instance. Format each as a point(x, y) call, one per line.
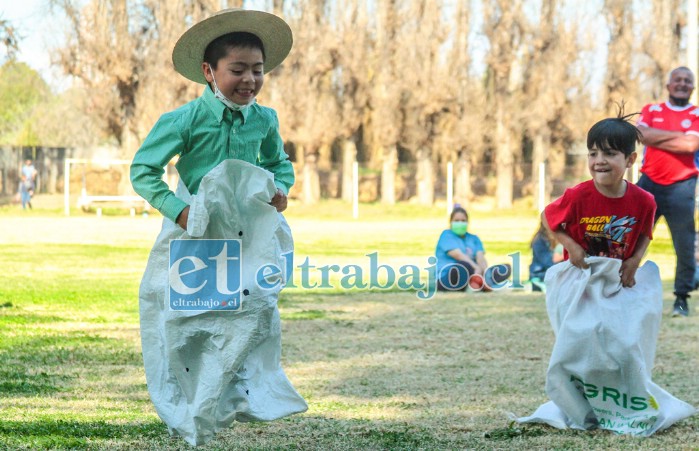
point(649, 219)
point(644, 117)
point(558, 212)
point(694, 128)
point(477, 245)
point(448, 242)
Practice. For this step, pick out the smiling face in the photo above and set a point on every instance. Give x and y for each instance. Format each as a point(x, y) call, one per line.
point(607, 168)
point(239, 74)
point(680, 86)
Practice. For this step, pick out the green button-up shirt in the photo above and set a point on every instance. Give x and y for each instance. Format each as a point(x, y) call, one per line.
point(203, 133)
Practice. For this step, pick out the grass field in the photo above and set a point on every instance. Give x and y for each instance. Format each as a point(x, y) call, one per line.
point(380, 370)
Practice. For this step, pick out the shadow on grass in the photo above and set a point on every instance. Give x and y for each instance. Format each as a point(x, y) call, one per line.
point(316, 432)
point(51, 363)
point(50, 433)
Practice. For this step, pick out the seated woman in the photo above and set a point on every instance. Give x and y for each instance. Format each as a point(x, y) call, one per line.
point(546, 252)
point(461, 259)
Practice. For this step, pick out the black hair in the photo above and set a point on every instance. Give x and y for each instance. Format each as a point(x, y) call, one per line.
point(455, 211)
point(219, 47)
point(615, 133)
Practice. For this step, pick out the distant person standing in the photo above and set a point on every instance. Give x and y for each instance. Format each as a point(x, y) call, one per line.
point(24, 191)
point(671, 136)
point(30, 172)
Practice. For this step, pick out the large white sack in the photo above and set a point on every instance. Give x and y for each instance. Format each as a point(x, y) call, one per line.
point(206, 369)
point(599, 374)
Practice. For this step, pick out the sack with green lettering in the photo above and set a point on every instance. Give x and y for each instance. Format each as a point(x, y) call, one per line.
point(599, 375)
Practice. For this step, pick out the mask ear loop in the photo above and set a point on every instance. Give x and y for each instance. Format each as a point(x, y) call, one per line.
point(211, 69)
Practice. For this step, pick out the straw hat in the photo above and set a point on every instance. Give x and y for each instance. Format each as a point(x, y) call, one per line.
point(275, 34)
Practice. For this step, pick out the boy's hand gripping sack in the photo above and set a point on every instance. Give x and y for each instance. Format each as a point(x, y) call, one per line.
point(599, 375)
point(207, 367)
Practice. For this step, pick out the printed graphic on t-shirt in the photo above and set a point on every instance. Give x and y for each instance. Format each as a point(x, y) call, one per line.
point(605, 236)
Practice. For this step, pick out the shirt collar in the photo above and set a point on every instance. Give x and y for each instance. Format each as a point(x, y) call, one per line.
point(678, 108)
point(218, 108)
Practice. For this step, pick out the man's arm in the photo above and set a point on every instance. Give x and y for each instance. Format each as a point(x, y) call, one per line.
point(671, 141)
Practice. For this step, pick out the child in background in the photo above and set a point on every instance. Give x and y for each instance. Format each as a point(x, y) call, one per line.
point(606, 216)
point(546, 252)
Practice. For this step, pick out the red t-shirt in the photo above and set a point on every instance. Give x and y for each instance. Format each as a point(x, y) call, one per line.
point(661, 166)
point(603, 226)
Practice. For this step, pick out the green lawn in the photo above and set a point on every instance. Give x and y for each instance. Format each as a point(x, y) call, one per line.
point(380, 370)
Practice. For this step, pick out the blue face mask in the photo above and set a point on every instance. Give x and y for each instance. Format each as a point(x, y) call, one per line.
point(459, 227)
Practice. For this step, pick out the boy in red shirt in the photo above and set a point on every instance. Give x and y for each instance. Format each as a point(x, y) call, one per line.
point(606, 216)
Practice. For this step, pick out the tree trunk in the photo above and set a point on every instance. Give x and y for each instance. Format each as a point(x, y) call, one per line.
point(539, 155)
point(388, 175)
point(425, 177)
point(50, 164)
point(504, 164)
point(349, 156)
point(462, 179)
point(311, 180)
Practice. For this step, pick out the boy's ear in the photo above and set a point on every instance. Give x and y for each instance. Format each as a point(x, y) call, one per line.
point(206, 69)
point(631, 159)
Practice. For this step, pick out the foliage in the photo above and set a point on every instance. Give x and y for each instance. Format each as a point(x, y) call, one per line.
point(21, 90)
point(66, 120)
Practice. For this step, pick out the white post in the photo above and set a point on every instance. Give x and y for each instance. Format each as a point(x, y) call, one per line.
point(355, 190)
point(692, 55)
point(450, 186)
point(542, 186)
point(66, 186)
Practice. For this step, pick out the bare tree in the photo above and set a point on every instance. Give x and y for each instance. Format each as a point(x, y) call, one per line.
point(662, 30)
point(304, 91)
point(549, 85)
point(356, 73)
point(385, 98)
point(121, 55)
point(462, 138)
point(423, 82)
point(503, 28)
point(620, 79)
point(8, 37)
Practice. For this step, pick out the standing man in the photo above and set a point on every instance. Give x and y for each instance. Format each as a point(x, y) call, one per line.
point(30, 172)
point(671, 136)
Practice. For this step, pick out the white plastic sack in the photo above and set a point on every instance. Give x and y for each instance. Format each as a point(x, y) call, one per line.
point(206, 369)
point(599, 375)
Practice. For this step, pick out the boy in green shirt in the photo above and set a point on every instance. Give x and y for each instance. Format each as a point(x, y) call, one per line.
point(229, 52)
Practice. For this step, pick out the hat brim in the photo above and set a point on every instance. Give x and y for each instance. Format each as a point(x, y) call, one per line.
point(275, 34)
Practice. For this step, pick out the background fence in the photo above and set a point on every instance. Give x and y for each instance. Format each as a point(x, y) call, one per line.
point(100, 178)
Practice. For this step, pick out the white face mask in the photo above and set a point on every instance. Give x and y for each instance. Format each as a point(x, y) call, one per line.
point(225, 100)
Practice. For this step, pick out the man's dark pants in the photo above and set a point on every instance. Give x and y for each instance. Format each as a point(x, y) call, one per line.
point(676, 203)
